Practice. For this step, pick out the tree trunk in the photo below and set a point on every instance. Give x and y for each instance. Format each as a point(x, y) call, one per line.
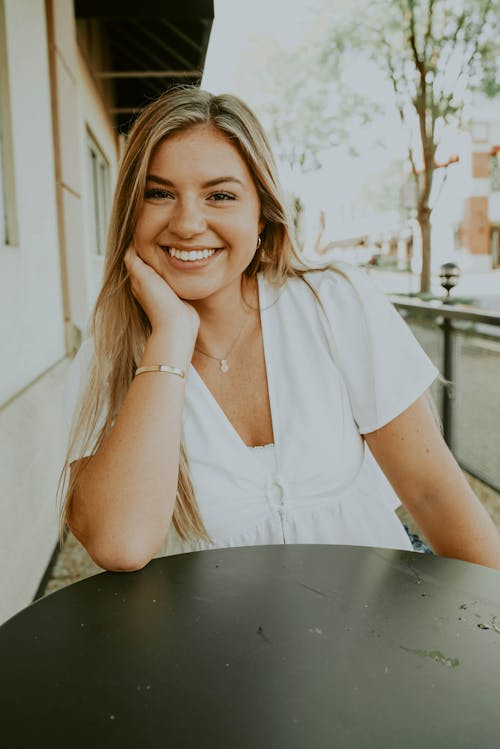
point(424, 220)
point(298, 221)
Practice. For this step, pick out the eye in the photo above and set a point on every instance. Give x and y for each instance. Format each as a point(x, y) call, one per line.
point(222, 196)
point(156, 193)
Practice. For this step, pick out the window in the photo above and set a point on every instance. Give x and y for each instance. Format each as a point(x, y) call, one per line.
point(99, 181)
point(8, 222)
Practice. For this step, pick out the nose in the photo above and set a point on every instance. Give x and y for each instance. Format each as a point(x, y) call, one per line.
point(186, 219)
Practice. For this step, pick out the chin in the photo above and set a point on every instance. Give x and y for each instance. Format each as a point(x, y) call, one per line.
point(206, 286)
point(193, 292)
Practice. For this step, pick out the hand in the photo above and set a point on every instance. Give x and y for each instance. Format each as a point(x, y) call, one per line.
point(158, 300)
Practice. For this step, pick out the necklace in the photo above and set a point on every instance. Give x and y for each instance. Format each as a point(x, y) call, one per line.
point(223, 363)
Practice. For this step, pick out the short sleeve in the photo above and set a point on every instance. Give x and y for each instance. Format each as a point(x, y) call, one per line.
point(384, 367)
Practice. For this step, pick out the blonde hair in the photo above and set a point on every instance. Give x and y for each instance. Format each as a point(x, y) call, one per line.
point(120, 327)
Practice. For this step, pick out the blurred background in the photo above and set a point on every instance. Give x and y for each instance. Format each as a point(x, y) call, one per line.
point(385, 120)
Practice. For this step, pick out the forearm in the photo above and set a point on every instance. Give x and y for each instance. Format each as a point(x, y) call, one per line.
point(413, 455)
point(124, 497)
point(456, 524)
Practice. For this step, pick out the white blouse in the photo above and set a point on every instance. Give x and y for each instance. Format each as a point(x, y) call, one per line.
point(333, 376)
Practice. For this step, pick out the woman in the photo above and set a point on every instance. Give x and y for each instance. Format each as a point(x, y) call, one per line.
point(231, 391)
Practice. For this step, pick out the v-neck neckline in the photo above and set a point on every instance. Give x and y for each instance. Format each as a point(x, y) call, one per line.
point(269, 377)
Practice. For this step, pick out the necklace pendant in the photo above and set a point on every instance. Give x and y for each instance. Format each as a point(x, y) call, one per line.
point(224, 366)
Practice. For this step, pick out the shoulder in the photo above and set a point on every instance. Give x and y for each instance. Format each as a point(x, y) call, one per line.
point(327, 277)
point(336, 286)
point(316, 276)
point(340, 276)
point(349, 288)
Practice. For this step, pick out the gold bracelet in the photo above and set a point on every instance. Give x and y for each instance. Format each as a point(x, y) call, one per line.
point(161, 368)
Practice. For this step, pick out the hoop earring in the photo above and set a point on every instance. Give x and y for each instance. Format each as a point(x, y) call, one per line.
point(259, 242)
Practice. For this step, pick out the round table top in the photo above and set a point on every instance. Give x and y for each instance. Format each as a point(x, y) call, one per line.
point(270, 646)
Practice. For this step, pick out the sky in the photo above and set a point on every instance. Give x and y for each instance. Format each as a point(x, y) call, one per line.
point(237, 24)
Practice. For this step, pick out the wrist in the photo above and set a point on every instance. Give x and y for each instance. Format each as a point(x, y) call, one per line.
point(164, 348)
point(180, 325)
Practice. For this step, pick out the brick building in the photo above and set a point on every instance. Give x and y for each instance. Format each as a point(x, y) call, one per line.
point(479, 232)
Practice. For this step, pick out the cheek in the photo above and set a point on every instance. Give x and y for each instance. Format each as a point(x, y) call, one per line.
point(248, 222)
point(140, 227)
point(146, 227)
point(143, 240)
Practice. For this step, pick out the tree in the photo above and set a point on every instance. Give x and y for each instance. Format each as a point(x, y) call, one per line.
point(433, 52)
point(306, 106)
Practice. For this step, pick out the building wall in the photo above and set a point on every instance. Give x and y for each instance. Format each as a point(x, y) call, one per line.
point(94, 120)
point(30, 286)
point(482, 206)
point(48, 281)
point(32, 332)
point(480, 165)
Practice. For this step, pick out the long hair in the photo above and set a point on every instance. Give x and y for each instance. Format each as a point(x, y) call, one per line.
point(119, 327)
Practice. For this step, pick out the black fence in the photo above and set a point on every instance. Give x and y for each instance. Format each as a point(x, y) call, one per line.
point(465, 346)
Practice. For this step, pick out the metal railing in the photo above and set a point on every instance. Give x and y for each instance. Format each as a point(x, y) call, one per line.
point(464, 344)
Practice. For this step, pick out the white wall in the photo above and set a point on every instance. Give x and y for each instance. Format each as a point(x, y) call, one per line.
point(31, 324)
point(31, 321)
point(33, 362)
point(33, 445)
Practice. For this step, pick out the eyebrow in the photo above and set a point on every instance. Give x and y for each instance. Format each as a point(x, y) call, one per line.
point(209, 183)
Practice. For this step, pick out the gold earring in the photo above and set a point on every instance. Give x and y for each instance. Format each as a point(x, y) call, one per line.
point(259, 242)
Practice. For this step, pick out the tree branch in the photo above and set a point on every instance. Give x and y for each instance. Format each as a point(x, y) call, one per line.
point(475, 36)
point(440, 189)
point(413, 165)
point(393, 79)
point(428, 30)
point(399, 103)
point(419, 64)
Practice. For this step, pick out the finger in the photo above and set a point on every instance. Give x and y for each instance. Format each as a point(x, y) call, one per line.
point(131, 261)
point(130, 256)
point(135, 266)
point(127, 259)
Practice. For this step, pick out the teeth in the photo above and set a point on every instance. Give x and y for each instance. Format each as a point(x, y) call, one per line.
point(190, 256)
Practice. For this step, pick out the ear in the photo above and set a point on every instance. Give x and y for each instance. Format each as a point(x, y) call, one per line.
point(262, 225)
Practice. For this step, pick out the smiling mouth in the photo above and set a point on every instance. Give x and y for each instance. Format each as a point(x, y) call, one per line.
point(190, 256)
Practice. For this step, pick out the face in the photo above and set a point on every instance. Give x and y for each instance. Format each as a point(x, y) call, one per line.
point(200, 218)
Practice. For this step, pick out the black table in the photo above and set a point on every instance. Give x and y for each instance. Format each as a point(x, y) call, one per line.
point(269, 647)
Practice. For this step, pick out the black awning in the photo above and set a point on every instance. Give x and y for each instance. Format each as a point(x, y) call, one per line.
point(137, 50)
